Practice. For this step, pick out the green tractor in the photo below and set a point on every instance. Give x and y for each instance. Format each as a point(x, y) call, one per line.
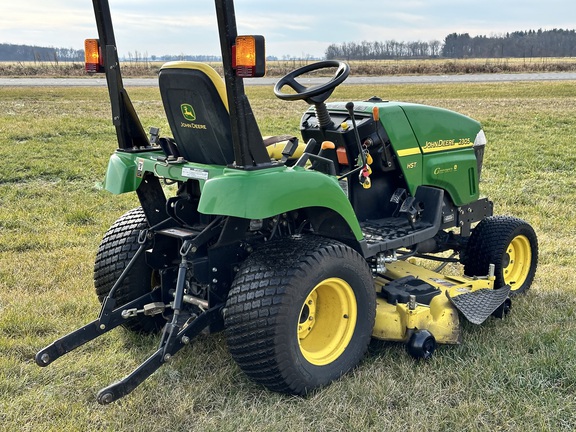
point(301, 250)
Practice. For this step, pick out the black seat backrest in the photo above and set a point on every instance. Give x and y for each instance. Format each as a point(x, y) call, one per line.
point(194, 98)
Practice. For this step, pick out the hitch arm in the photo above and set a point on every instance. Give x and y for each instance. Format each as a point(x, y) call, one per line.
point(125, 386)
point(90, 331)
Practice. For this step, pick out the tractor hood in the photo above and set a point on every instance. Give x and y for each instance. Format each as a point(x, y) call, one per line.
point(450, 145)
point(438, 129)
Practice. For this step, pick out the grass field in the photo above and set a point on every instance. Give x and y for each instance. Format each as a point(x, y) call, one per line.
point(512, 375)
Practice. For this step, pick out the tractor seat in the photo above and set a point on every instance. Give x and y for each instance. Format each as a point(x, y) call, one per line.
point(194, 98)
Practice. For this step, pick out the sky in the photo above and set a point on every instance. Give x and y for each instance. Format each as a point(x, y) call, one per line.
point(292, 28)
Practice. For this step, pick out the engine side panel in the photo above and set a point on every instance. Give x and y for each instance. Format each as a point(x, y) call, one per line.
point(446, 140)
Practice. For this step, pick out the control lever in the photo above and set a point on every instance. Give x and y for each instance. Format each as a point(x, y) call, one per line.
point(362, 155)
point(365, 170)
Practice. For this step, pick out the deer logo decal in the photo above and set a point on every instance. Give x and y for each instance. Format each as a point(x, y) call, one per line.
point(188, 112)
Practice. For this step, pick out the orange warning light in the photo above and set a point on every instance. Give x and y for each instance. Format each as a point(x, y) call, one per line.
point(249, 56)
point(93, 60)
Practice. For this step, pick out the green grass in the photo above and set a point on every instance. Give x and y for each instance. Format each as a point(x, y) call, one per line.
point(517, 374)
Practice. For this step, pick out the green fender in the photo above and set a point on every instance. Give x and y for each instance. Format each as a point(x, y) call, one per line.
point(121, 174)
point(254, 194)
point(126, 170)
point(265, 193)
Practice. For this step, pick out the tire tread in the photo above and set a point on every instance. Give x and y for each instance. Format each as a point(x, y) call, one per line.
point(488, 243)
point(116, 249)
point(254, 316)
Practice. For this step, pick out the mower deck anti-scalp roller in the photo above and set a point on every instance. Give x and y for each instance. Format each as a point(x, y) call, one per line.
point(301, 250)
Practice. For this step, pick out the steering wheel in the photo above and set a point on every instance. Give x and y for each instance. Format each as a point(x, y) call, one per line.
point(316, 94)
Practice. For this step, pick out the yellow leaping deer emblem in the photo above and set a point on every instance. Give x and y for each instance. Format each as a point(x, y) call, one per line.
point(188, 112)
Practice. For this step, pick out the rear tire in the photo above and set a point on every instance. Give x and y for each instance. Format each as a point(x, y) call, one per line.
point(511, 245)
point(117, 248)
point(300, 313)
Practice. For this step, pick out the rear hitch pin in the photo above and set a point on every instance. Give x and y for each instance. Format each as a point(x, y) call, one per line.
point(202, 304)
point(142, 236)
point(149, 309)
point(130, 313)
point(187, 247)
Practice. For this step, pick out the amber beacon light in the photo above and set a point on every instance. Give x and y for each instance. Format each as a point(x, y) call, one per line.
point(249, 56)
point(93, 60)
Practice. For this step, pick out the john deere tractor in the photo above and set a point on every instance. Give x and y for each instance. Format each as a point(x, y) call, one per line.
point(301, 249)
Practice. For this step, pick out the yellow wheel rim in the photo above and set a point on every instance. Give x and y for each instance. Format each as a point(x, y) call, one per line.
point(517, 261)
point(327, 321)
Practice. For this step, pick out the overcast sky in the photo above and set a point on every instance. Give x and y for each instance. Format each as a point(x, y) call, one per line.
point(291, 27)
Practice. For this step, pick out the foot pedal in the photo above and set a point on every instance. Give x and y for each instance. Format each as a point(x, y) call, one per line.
point(408, 206)
point(398, 196)
point(412, 209)
point(477, 306)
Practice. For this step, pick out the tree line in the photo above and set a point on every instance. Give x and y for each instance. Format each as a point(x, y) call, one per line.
point(532, 43)
point(390, 49)
point(27, 53)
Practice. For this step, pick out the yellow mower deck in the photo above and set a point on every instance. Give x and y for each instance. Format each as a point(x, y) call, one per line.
point(396, 322)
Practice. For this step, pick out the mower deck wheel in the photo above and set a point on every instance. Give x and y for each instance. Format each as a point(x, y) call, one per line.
point(421, 344)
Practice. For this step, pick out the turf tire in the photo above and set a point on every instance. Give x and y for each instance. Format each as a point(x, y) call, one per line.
point(496, 240)
point(268, 304)
point(117, 248)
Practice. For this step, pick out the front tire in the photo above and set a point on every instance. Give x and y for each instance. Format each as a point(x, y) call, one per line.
point(300, 313)
point(511, 245)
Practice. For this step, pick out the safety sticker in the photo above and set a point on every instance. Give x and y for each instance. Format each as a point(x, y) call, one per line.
point(442, 282)
point(139, 167)
point(195, 173)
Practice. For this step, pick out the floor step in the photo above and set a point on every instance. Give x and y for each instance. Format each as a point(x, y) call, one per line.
point(180, 233)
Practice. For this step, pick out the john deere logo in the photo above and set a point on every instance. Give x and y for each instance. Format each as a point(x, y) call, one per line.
point(190, 115)
point(188, 112)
